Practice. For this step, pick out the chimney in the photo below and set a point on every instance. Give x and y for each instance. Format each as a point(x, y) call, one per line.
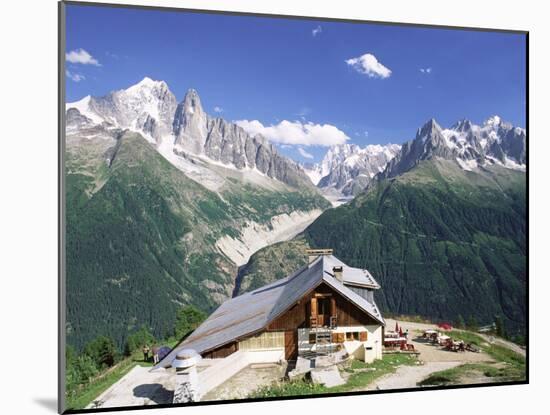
point(186, 384)
point(311, 258)
point(313, 254)
point(338, 273)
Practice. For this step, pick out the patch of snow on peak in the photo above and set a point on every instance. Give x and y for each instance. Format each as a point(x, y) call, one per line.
point(493, 121)
point(314, 174)
point(83, 106)
point(374, 149)
point(468, 165)
point(352, 160)
point(510, 163)
point(450, 137)
point(146, 83)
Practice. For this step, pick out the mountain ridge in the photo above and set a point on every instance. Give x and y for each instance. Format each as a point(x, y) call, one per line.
point(347, 169)
point(470, 146)
point(150, 108)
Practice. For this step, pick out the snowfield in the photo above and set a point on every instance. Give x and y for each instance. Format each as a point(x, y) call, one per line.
point(255, 236)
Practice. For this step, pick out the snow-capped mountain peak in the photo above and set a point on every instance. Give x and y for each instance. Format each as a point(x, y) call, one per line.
point(464, 125)
point(428, 131)
point(347, 168)
point(179, 130)
point(470, 145)
point(147, 84)
point(190, 124)
point(83, 106)
point(492, 121)
point(147, 107)
point(192, 103)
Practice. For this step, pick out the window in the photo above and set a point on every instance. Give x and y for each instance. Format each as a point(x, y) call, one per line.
point(265, 341)
point(352, 335)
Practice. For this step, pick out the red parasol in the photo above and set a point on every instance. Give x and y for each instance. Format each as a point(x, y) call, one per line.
point(400, 331)
point(396, 327)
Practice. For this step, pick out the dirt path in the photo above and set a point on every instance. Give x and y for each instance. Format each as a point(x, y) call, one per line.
point(504, 343)
point(409, 376)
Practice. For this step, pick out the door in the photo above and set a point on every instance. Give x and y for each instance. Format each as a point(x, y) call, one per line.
point(291, 344)
point(323, 316)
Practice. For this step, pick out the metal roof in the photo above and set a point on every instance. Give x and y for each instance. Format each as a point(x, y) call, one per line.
point(352, 276)
point(251, 312)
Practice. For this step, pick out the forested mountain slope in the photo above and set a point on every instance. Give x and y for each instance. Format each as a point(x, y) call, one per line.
point(141, 235)
point(441, 241)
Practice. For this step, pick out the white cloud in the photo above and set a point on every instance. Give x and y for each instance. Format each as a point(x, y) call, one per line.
point(218, 109)
point(296, 133)
point(304, 153)
point(368, 64)
point(76, 77)
point(81, 56)
point(426, 70)
point(316, 31)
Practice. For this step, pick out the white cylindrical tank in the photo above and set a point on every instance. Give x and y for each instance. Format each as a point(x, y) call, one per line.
point(187, 381)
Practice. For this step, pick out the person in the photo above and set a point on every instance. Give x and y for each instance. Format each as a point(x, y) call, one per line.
point(407, 333)
point(146, 353)
point(155, 351)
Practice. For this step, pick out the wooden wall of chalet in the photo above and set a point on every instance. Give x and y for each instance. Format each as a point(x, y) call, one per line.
point(295, 317)
point(298, 315)
point(222, 351)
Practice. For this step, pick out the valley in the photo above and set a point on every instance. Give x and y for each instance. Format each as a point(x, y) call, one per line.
point(167, 206)
point(444, 241)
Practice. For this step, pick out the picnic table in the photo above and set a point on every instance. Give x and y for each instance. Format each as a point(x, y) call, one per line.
point(441, 340)
point(455, 346)
point(394, 341)
point(430, 334)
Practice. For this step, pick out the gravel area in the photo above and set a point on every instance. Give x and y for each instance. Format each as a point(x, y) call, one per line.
point(246, 381)
point(434, 353)
point(433, 357)
point(137, 388)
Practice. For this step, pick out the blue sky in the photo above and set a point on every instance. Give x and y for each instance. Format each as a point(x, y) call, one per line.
point(274, 70)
